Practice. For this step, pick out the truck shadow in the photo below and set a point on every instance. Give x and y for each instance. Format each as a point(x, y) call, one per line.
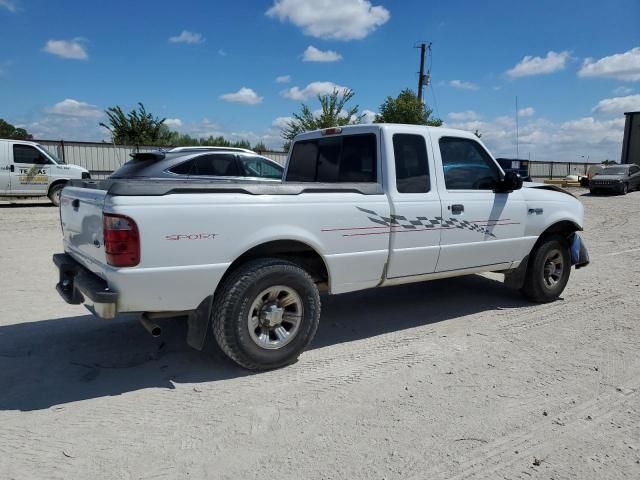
point(52, 362)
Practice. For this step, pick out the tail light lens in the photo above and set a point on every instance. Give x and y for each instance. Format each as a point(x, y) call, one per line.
point(121, 240)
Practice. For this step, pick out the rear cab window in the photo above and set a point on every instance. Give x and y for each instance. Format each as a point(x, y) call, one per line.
point(335, 159)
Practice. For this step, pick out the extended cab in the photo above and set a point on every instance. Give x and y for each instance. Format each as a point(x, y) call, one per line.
point(361, 207)
point(29, 170)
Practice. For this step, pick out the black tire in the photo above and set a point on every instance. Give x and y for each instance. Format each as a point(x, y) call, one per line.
point(592, 191)
point(54, 194)
point(236, 297)
point(625, 189)
point(537, 287)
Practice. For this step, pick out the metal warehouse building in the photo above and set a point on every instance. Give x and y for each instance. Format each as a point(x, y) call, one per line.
point(631, 142)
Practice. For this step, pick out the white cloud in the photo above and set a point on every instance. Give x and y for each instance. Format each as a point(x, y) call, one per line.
point(463, 85)
point(618, 105)
point(526, 112)
point(313, 54)
point(244, 95)
point(74, 108)
point(336, 19)
point(622, 91)
point(312, 90)
point(467, 115)
point(283, 79)
point(528, 66)
point(9, 5)
point(546, 140)
point(191, 38)
point(622, 66)
point(281, 122)
point(173, 122)
point(222, 53)
point(69, 49)
point(369, 116)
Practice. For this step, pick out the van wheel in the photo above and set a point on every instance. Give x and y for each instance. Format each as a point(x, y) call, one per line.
point(266, 313)
point(548, 271)
point(54, 194)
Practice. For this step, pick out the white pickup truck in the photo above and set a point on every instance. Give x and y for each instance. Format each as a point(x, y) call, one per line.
point(29, 170)
point(360, 207)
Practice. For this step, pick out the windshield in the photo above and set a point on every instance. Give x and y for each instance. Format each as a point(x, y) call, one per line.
point(614, 171)
point(50, 154)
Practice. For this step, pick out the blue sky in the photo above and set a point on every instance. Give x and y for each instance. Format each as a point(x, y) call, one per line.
point(212, 67)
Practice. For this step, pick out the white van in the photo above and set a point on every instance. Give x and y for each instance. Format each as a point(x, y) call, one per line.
point(29, 170)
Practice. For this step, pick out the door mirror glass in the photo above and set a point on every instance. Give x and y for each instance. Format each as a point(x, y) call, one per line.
point(511, 181)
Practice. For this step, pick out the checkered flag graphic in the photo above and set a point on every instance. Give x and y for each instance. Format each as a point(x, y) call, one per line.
point(423, 222)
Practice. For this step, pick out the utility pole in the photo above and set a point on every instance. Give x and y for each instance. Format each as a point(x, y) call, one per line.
point(423, 79)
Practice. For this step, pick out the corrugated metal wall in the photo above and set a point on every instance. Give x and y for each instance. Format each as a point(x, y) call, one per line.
point(103, 158)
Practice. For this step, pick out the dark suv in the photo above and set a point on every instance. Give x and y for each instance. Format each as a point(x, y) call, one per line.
point(186, 163)
point(616, 178)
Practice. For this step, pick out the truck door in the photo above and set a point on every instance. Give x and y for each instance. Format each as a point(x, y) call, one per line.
point(5, 178)
point(480, 227)
point(29, 170)
point(415, 206)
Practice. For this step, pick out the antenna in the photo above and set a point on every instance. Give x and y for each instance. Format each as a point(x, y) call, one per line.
point(517, 133)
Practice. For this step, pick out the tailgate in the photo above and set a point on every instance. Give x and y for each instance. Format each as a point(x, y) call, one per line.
point(81, 219)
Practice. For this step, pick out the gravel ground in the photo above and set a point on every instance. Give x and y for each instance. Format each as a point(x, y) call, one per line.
point(456, 378)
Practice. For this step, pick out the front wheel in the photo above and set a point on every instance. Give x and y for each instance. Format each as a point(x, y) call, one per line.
point(548, 270)
point(54, 194)
point(266, 313)
point(625, 189)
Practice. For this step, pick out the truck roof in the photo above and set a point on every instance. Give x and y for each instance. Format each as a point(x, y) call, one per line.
point(372, 127)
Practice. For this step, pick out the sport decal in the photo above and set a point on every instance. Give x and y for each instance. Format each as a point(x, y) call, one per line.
point(400, 224)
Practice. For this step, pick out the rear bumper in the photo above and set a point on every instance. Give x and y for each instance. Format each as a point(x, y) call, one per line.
point(77, 285)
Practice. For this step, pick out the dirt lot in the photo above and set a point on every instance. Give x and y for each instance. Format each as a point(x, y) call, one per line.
point(449, 379)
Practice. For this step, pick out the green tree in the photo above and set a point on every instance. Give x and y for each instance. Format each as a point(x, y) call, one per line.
point(333, 114)
point(406, 108)
point(136, 127)
point(9, 131)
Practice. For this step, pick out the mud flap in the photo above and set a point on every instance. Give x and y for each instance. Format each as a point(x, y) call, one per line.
point(198, 324)
point(515, 278)
point(579, 253)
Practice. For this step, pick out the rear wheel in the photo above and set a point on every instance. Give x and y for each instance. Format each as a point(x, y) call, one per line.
point(266, 313)
point(625, 189)
point(54, 194)
point(592, 191)
point(548, 270)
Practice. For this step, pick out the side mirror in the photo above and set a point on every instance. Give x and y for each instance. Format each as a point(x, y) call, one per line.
point(511, 181)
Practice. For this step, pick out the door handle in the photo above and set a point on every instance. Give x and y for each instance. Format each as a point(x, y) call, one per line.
point(12, 168)
point(457, 209)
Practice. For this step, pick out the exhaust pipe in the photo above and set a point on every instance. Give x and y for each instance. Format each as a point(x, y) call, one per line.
point(153, 328)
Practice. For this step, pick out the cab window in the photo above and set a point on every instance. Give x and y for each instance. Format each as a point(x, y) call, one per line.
point(467, 165)
point(412, 164)
point(334, 159)
point(28, 154)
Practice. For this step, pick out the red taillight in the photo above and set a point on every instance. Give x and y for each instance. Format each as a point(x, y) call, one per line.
point(332, 131)
point(121, 240)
